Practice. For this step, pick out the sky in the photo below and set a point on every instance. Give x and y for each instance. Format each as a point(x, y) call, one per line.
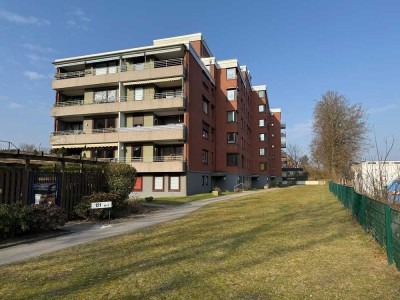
point(299, 49)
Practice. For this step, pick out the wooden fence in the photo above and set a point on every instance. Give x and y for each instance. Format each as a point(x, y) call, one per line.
point(67, 187)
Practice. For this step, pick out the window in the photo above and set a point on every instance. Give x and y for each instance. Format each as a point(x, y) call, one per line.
point(137, 152)
point(231, 94)
point(139, 95)
point(105, 68)
point(232, 116)
point(231, 159)
point(262, 137)
point(204, 157)
point(261, 123)
point(138, 121)
point(231, 73)
point(205, 105)
point(262, 166)
point(174, 183)
point(158, 183)
point(206, 129)
point(139, 66)
point(261, 94)
point(261, 108)
point(103, 123)
point(105, 96)
point(138, 184)
point(262, 151)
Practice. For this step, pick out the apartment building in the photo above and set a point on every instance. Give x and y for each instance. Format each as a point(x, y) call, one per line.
point(186, 121)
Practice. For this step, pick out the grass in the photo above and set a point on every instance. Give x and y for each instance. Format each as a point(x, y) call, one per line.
point(292, 243)
point(185, 199)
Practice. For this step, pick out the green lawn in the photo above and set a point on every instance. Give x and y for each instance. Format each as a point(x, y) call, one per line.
point(185, 199)
point(292, 243)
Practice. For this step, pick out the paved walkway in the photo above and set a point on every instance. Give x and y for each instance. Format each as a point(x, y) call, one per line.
point(84, 233)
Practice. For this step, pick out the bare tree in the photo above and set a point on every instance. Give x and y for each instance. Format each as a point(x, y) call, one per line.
point(27, 147)
point(339, 133)
point(295, 152)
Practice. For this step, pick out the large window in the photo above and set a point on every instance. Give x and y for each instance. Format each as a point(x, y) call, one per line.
point(232, 159)
point(103, 123)
point(231, 73)
point(139, 94)
point(231, 94)
point(105, 68)
point(105, 96)
point(158, 183)
point(232, 116)
point(174, 183)
point(232, 137)
point(204, 157)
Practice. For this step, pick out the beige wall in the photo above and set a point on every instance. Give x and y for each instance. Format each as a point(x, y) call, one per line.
point(148, 151)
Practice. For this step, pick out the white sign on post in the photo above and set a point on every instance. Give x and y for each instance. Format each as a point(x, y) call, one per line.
point(96, 205)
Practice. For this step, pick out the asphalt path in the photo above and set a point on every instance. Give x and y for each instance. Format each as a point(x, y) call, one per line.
point(85, 233)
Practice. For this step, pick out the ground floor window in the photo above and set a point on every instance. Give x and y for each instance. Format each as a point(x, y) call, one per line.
point(174, 183)
point(138, 184)
point(158, 183)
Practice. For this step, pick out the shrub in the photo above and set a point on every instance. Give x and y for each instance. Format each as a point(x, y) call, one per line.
point(15, 218)
point(83, 208)
point(48, 216)
point(120, 180)
point(133, 206)
point(149, 199)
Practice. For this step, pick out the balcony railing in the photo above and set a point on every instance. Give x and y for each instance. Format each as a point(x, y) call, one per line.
point(123, 129)
point(157, 96)
point(122, 68)
point(149, 159)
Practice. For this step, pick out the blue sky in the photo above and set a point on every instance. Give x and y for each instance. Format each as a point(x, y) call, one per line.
point(299, 49)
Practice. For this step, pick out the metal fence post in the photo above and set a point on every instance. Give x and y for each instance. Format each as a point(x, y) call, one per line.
point(389, 243)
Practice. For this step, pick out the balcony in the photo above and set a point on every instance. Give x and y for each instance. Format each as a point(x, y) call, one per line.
point(160, 101)
point(156, 164)
point(173, 132)
point(283, 125)
point(124, 73)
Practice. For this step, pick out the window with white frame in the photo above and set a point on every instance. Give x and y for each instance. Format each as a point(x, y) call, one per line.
point(261, 94)
point(262, 137)
point(261, 108)
point(139, 93)
point(262, 151)
point(261, 123)
point(231, 94)
point(232, 116)
point(232, 137)
point(231, 73)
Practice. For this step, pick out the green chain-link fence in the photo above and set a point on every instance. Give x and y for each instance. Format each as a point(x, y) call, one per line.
point(376, 218)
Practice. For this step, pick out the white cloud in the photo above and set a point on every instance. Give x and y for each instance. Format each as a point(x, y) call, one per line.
point(34, 75)
point(38, 48)
point(35, 59)
point(14, 105)
point(19, 19)
point(78, 19)
point(382, 109)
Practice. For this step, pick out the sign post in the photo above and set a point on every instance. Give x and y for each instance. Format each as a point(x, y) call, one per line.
point(107, 204)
